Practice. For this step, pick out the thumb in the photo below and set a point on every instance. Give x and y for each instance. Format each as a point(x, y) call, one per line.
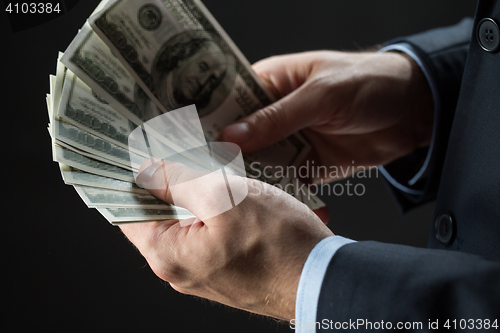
point(205, 194)
point(272, 123)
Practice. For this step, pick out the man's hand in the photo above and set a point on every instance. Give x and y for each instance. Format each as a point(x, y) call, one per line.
point(370, 108)
point(249, 257)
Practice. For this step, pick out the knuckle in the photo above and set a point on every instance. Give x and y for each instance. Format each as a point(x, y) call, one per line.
point(272, 118)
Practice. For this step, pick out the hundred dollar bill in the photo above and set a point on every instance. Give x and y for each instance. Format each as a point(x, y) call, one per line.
point(83, 108)
point(65, 133)
point(85, 153)
point(58, 84)
point(48, 100)
point(179, 55)
point(72, 176)
point(173, 53)
point(93, 62)
point(98, 197)
point(128, 215)
point(92, 115)
point(50, 96)
point(78, 161)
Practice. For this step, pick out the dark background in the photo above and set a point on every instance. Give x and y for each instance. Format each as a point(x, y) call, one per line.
point(66, 269)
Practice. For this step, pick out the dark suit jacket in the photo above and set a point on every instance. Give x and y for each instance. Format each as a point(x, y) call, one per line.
point(459, 279)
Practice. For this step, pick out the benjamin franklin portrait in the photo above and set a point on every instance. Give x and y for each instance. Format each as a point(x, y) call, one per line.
point(193, 68)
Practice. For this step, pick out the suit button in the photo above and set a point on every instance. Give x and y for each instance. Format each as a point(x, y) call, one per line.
point(488, 35)
point(444, 228)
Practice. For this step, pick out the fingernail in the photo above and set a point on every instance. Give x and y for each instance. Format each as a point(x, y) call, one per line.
point(146, 175)
point(237, 133)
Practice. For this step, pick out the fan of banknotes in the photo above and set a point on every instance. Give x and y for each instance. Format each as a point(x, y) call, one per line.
point(132, 61)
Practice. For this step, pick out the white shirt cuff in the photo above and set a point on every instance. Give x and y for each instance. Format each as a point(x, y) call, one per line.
point(311, 280)
point(409, 50)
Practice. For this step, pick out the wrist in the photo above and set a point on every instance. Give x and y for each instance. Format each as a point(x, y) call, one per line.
point(280, 303)
point(420, 100)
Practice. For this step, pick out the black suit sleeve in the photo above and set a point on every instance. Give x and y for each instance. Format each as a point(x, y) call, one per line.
point(443, 52)
point(373, 281)
point(395, 283)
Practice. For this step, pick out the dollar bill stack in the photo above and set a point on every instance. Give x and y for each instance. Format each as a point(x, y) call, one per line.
point(132, 61)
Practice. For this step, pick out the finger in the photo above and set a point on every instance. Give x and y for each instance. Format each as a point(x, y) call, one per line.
point(284, 76)
point(272, 123)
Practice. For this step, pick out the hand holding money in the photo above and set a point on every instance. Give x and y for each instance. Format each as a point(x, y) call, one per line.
point(352, 107)
point(249, 257)
point(132, 63)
